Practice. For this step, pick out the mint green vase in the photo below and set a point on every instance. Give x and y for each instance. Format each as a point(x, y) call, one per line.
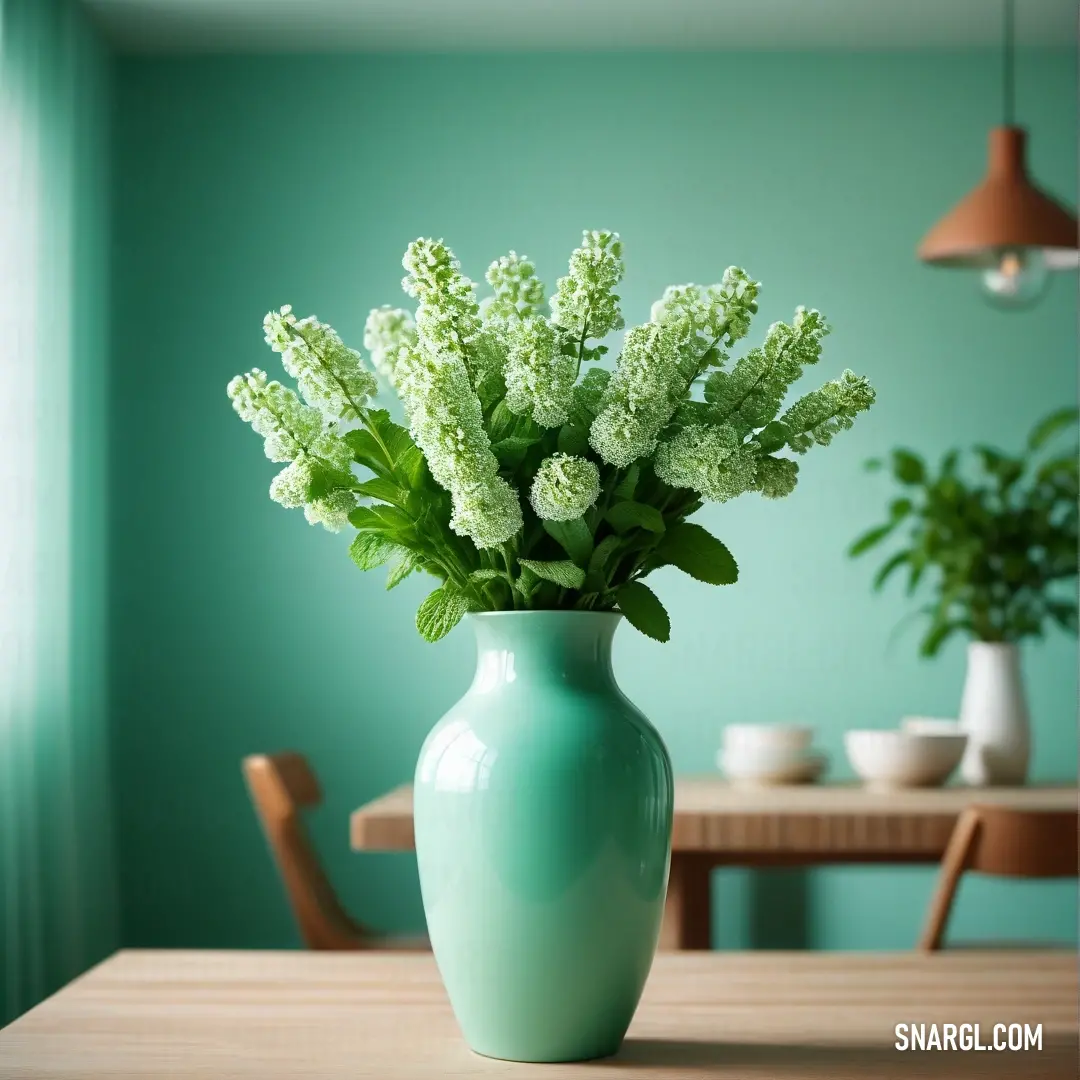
point(543, 804)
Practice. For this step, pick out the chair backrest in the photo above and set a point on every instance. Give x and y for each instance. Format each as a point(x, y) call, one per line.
point(1024, 843)
point(1007, 842)
point(281, 786)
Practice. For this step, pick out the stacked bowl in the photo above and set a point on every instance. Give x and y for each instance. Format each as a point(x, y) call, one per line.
point(769, 754)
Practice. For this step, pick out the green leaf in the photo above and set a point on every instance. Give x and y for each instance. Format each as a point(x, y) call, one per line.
point(511, 451)
point(487, 575)
point(896, 560)
point(1049, 426)
point(384, 490)
point(513, 442)
point(1005, 469)
point(402, 566)
point(692, 412)
point(992, 458)
point(1064, 614)
point(1064, 468)
point(695, 551)
point(587, 396)
point(714, 385)
point(873, 464)
point(573, 537)
point(899, 509)
point(565, 573)
point(643, 610)
point(324, 480)
point(501, 423)
point(908, 467)
point(870, 539)
point(598, 561)
point(441, 612)
point(773, 436)
point(512, 445)
point(626, 487)
point(367, 451)
point(573, 440)
point(387, 449)
point(625, 516)
point(527, 583)
point(940, 631)
point(397, 440)
point(491, 389)
point(372, 549)
point(918, 568)
point(381, 519)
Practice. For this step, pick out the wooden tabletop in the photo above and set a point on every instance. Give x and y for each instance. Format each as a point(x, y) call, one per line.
point(752, 1016)
point(812, 822)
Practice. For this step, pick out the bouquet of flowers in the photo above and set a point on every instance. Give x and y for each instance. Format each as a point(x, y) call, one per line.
point(530, 476)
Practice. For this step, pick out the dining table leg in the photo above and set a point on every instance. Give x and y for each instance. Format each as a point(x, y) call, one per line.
point(688, 910)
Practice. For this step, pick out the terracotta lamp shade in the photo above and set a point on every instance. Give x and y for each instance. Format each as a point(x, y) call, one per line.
point(1005, 212)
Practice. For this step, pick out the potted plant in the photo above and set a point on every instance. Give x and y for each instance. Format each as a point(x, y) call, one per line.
point(540, 490)
point(997, 545)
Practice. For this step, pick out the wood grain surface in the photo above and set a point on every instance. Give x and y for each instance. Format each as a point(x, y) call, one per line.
point(808, 823)
point(752, 1016)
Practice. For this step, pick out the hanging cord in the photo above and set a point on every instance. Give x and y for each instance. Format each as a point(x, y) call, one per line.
point(1008, 65)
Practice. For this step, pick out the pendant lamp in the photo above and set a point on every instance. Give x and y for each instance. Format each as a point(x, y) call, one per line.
point(1009, 230)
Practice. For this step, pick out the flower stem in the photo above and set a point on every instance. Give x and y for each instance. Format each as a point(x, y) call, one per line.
point(581, 344)
point(508, 561)
point(293, 330)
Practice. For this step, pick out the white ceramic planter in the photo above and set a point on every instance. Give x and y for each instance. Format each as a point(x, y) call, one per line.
point(993, 711)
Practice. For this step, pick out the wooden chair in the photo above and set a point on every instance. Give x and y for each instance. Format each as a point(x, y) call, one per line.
point(1000, 840)
point(281, 786)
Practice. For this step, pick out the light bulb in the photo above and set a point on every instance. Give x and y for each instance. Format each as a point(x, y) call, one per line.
point(1017, 279)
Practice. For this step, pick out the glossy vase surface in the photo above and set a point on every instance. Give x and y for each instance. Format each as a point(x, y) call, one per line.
point(994, 713)
point(543, 805)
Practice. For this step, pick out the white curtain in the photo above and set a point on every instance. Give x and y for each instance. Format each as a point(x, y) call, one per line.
point(58, 908)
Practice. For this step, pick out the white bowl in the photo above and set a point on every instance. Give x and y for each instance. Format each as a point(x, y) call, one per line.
point(897, 759)
point(750, 758)
point(931, 725)
point(796, 768)
point(792, 737)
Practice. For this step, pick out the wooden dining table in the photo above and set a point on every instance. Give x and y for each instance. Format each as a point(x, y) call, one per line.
point(721, 824)
point(752, 1016)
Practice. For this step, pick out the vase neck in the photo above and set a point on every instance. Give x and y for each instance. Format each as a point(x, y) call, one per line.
point(992, 652)
point(571, 647)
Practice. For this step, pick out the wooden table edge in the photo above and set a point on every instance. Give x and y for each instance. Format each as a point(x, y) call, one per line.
point(375, 829)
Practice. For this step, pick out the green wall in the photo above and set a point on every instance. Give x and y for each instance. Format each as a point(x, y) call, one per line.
point(242, 184)
point(59, 910)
